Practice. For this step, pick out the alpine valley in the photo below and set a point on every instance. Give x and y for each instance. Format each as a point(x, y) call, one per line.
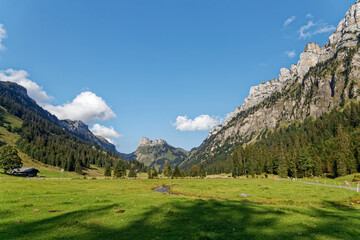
point(325, 79)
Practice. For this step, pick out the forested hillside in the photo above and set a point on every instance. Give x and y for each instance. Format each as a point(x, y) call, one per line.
point(44, 141)
point(328, 145)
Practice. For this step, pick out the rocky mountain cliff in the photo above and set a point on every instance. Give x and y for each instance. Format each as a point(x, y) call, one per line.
point(324, 78)
point(156, 152)
point(77, 128)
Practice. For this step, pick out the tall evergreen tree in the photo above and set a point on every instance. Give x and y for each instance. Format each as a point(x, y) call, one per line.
point(235, 164)
point(9, 158)
point(176, 173)
point(149, 172)
point(107, 170)
point(202, 172)
point(167, 169)
point(132, 172)
point(117, 171)
point(78, 168)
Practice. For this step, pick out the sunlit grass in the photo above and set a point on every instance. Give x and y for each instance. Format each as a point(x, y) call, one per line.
point(204, 209)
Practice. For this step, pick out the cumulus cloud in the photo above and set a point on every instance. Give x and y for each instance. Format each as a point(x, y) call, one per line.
point(311, 29)
point(106, 132)
point(21, 77)
point(109, 133)
point(202, 122)
point(290, 54)
point(3, 35)
point(87, 107)
point(289, 20)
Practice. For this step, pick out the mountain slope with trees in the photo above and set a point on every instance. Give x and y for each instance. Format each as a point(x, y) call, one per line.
point(324, 79)
point(41, 137)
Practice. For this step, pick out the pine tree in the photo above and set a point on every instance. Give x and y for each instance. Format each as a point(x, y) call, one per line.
point(123, 171)
point(132, 172)
point(107, 170)
point(117, 171)
point(202, 172)
point(176, 172)
point(235, 164)
point(9, 158)
point(167, 169)
point(149, 174)
point(155, 174)
point(283, 166)
point(78, 168)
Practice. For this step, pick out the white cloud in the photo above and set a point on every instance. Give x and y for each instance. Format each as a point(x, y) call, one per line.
point(86, 107)
point(109, 133)
point(106, 132)
point(21, 77)
point(311, 29)
point(3, 35)
point(289, 20)
point(329, 28)
point(309, 15)
point(290, 54)
point(202, 122)
point(306, 27)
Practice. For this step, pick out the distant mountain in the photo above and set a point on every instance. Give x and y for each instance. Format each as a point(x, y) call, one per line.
point(78, 128)
point(156, 152)
point(324, 78)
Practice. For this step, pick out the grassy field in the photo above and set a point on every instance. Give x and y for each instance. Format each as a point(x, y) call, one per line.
point(200, 209)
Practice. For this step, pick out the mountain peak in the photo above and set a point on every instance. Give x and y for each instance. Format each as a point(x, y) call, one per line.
point(147, 142)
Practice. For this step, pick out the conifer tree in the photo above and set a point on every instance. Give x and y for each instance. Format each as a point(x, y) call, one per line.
point(283, 167)
point(167, 169)
point(235, 164)
point(78, 168)
point(149, 174)
point(123, 171)
point(107, 170)
point(117, 171)
point(9, 158)
point(132, 172)
point(176, 172)
point(202, 172)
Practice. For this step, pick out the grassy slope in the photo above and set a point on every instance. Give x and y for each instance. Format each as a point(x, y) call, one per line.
point(88, 210)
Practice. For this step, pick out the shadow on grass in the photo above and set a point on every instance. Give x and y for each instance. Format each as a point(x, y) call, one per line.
point(193, 219)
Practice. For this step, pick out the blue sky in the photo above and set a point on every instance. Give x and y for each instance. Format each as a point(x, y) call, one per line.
point(139, 65)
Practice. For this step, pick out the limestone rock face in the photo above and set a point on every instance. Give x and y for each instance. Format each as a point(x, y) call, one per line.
point(345, 32)
point(76, 125)
point(147, 142)
point(323, 78)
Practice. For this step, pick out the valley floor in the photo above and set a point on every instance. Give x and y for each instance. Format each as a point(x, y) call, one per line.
point(196, 209)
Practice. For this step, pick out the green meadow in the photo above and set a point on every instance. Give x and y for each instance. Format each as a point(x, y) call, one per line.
point(196, 209)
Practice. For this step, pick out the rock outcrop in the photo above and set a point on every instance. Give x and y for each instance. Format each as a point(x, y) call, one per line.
point(323, 78)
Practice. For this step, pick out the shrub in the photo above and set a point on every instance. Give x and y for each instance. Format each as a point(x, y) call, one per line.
point(356, 178)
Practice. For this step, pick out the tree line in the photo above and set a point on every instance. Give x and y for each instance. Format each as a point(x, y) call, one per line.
point(329, 145)
point(168, 172)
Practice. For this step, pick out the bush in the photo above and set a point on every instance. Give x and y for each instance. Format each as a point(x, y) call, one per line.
point(356, 178)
